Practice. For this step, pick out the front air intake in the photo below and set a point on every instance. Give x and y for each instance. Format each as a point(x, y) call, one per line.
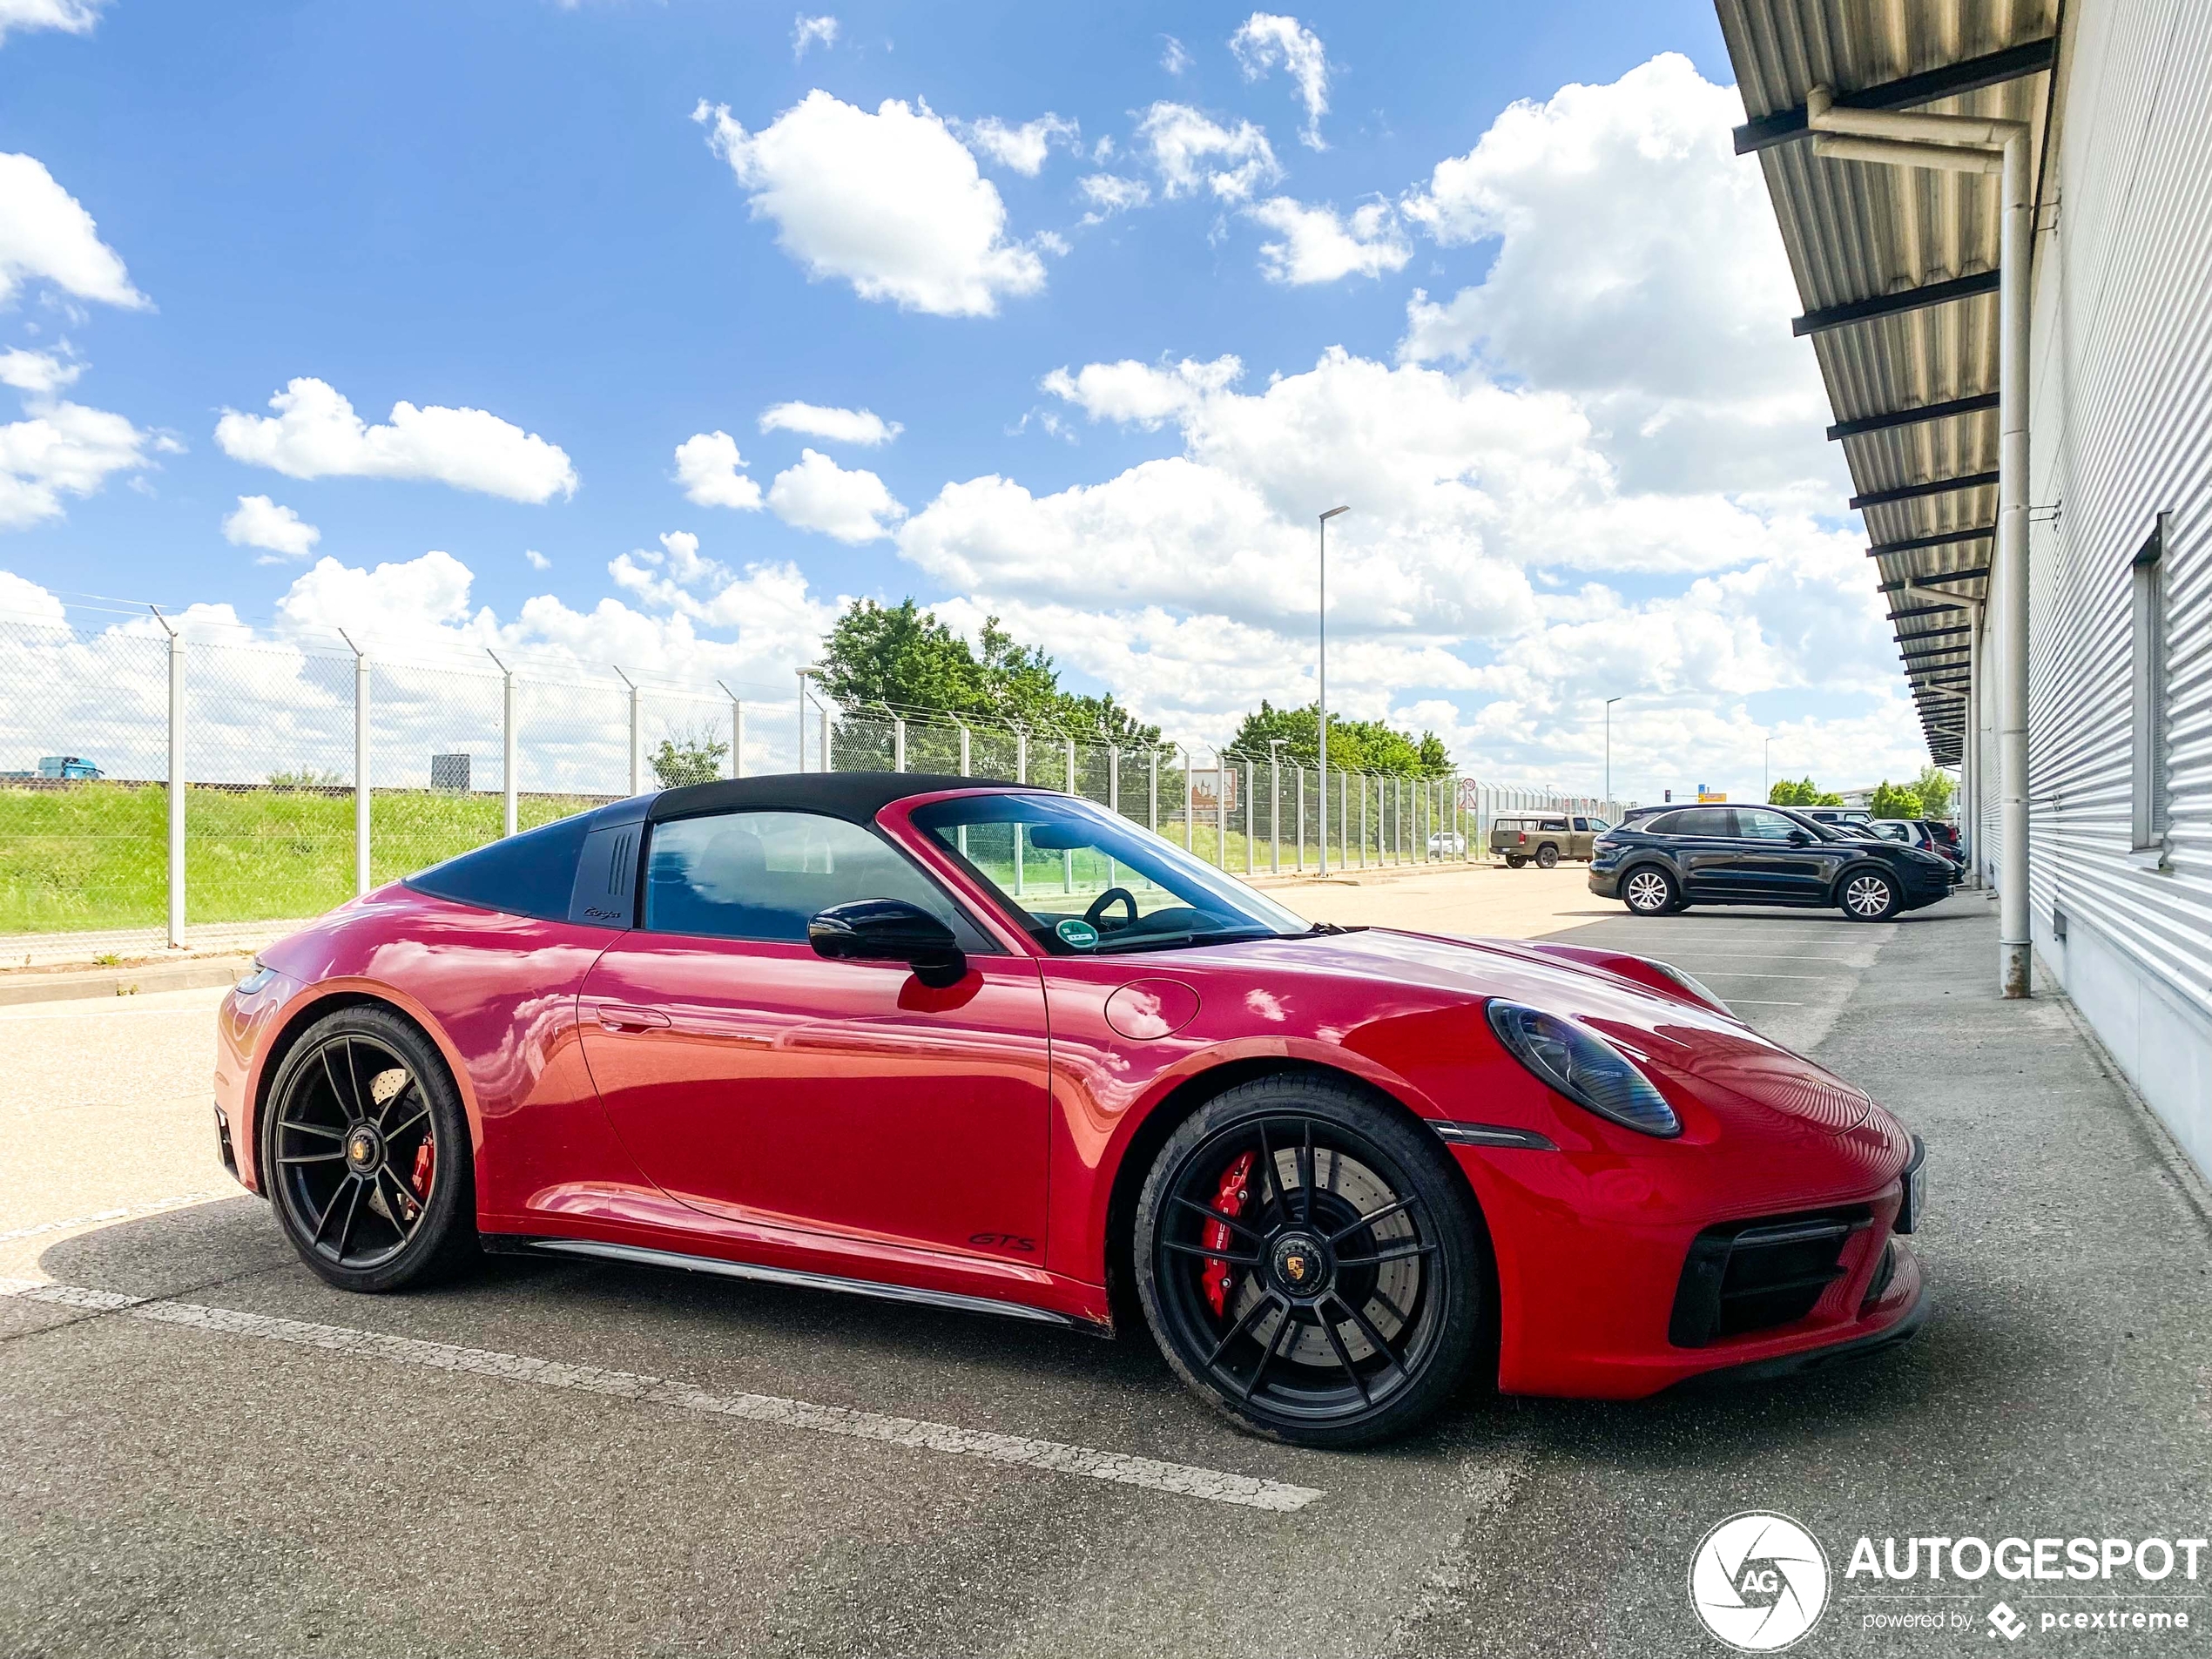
point(1747, 1276)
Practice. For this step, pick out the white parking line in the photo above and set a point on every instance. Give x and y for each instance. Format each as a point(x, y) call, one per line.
point(1754, 1003)
point(152, 1208)
point(1810, 979)
point(1763, 956)
point(1216, 1486)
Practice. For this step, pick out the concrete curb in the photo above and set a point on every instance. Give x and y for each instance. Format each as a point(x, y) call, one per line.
point(196, 974)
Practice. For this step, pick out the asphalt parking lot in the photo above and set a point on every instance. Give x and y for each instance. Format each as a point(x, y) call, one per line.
point(210, 1452)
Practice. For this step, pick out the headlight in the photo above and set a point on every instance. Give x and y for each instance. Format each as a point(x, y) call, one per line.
point(1584, 1066)
point(254, 981)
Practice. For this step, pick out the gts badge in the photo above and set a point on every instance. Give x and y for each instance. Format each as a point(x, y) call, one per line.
point(1002, 1241)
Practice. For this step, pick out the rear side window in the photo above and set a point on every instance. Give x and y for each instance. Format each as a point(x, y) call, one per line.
point(529, 874)
point(1555, 824)
point(1701, 820)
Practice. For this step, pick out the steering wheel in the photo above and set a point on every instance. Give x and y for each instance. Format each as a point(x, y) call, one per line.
point(1095, 915)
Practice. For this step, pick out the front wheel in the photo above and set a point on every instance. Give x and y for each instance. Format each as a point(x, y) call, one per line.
point(1869, 895)
point(1649, 891)
point(368, 1155)
point(1309, 1264)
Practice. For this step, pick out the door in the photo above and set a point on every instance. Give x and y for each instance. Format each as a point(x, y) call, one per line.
point(1584, 836)
point(756, 1081)
point(1705, 848)
point(1776, 859)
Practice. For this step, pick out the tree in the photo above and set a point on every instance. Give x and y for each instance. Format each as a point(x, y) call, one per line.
point(1892, 800)
point(1354, 745)
point(690, 757)
point(903, 656)
point(1803, 792)
point(1934, 788)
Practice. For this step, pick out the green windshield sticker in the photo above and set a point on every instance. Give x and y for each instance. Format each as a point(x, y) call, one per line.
point(1079, 934)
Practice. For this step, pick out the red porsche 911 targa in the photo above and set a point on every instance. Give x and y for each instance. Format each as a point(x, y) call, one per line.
point(994, 1048)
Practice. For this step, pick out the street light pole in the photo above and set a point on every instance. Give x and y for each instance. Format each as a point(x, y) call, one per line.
point(1609, 702)
point(1766, 770)
point(803, 673)
point(1324, 683)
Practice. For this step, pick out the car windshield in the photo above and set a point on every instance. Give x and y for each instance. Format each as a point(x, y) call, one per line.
point(1081, 880)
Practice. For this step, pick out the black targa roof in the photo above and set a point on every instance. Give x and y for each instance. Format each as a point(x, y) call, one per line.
point(856, 796)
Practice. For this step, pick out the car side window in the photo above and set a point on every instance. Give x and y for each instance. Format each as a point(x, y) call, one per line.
point(1663, 824)
point(1555, 824)
point(1707, 821)
point(1582, 823)
point(1756, 824)
point(763, 875)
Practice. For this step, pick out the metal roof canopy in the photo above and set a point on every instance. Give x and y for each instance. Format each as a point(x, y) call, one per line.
point(1896, 268)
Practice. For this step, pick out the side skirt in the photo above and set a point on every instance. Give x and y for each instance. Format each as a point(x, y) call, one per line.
point(514, 1245)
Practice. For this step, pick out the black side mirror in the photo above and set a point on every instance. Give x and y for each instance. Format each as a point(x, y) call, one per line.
point(1800, 838)
point(889, 930)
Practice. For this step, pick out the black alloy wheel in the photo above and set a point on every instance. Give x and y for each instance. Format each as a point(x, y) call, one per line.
point(1868, 895)
point(1547, 857)
point(1649, 891)
point(366, 1153)
point(1309, 1264)
point(1513, 863)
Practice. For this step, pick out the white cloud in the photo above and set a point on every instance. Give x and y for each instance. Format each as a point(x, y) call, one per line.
point(1023, 148)
point(891, 203)
point(863, 427)
point(1318, 245)
point(1140, 392)
point(25, 601)
point(260, 523)
point(46, 236)
point(711, 470)
point(316, 434)
point(1173, 57)
point(1110, 194)
point(818, 494)
point(36, 371)
point(71, 17)
point(1639, 268)
point(1185, 144)
point(61, 449)
point(537, 560)
point(1265, 40)
point(811, 32)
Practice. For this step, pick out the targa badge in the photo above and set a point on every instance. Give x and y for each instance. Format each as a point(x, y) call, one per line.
point(1759, 1582)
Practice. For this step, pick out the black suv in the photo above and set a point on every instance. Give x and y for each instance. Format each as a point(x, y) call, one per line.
point(1663, 862)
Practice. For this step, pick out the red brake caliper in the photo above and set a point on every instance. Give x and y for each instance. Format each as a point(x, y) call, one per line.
point(1230, 1197)
point(426, 1164)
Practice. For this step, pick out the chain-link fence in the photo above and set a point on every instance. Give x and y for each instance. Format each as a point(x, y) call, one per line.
point(308, 772)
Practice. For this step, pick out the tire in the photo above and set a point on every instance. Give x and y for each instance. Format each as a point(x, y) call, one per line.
point(1513, 863)
point(1369, 1345)
point(1649, 891)
point(1547, 857)
point(349, 1148)
point(1868, 894)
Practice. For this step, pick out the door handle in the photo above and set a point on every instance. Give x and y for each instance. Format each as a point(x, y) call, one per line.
point(616, 1017)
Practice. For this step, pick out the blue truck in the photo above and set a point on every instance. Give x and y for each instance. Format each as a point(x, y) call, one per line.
point(60, 768)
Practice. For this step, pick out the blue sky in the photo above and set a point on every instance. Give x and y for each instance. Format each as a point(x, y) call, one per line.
point(521, 209)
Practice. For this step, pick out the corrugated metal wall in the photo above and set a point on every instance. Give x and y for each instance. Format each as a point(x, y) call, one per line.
point(2122, 431)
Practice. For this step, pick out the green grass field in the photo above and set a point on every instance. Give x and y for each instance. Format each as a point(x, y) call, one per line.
point(95, 855)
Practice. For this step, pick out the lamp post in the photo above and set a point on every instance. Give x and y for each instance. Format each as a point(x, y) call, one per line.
point(1766, 770)
point(1609, 702)
point(1324, 685)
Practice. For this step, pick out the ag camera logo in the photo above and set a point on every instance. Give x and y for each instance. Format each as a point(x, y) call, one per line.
point(1759, 1581)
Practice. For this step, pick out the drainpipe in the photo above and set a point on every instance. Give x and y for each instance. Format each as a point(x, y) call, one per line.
point(1975, 143)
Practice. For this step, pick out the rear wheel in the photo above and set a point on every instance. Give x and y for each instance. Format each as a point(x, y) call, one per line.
point(1514, 861)
point(1869, 895)
point(1547, 857)
point(1649, 891)
point(1309, 1264)
point(368, 1155)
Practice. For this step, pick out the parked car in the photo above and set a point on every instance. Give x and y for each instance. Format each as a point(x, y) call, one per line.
point(1914, 831)
point(1834, 814)
point(1544, 839)
point(819, 1031)
point(1447, 844)
point(1945, 831)
point(1763, 855)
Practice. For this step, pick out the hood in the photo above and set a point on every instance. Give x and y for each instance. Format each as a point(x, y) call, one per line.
point(1713, 1054)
